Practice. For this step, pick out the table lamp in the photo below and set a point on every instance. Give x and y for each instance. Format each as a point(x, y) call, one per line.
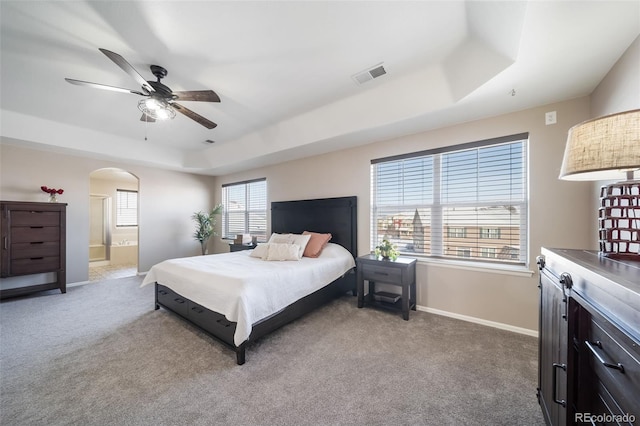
point(608, 148)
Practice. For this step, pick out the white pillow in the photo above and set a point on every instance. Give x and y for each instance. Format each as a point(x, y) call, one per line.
point(280, 239)
point(299, 239)
point(260, 250)
point(282, 252)
point(302, 241)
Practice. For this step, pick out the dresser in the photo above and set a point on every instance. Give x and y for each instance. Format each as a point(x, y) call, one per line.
point(33, 239)
point(589, 357)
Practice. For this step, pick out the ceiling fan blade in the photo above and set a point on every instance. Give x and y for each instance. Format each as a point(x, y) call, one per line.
point(103, 86)
point(147, 118)
point(126, 66)
point(192, 115)
point(198, 95)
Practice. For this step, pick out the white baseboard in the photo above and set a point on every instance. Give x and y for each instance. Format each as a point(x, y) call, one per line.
point(76, 284)
point(481, 321)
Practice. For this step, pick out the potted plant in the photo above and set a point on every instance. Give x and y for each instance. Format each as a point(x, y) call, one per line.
point(387, 250)
point(204, 226)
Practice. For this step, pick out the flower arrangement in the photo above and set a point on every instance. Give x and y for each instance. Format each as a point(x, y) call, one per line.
point(387, 250)
point(53, 193)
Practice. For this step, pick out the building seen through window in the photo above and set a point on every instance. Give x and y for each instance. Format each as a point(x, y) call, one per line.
point(467, 201)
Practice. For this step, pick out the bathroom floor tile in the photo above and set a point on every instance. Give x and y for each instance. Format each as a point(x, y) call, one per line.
point(97, 273)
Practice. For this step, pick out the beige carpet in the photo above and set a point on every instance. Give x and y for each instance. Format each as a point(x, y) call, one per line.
point(100, 355)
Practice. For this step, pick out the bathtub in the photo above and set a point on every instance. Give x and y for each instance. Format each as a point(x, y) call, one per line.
point(124, 253)
point(97, 252)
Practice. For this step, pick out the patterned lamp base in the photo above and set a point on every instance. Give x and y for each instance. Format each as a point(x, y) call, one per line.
point(619, 220)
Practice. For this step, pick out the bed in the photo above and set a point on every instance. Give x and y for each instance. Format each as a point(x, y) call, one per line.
point(181, 284)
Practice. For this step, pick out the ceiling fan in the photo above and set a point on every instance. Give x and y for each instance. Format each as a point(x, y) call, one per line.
point(160, 101)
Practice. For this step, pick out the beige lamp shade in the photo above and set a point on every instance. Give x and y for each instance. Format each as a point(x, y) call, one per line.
point(604, 148)
point(609, 148)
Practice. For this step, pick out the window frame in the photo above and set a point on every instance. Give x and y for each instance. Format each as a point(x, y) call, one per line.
point(119, 209)
point(446, 249)
point(248, 228)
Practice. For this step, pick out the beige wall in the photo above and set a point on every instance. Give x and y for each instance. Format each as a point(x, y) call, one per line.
point(560, 213)
point(619, 90)
point(167, 201)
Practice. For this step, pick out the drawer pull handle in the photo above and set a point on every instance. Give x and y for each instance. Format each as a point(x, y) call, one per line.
point(36, 227)
point(36, 242)
point(177, 299)
point(225, 323)
point(37, 258)
point(381, 273)
point(555, 384)
point(162, 292)
point(595, 353)
point(196, 310)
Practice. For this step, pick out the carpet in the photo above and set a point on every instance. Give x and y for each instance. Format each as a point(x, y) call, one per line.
point(101, 355)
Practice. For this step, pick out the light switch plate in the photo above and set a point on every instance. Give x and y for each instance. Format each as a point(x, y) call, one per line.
point(550, 118)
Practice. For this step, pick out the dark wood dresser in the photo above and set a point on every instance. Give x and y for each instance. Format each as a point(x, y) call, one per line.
point(33, 242)
point(589, 359)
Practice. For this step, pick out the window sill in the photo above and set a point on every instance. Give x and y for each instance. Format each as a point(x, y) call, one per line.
point(515, 270)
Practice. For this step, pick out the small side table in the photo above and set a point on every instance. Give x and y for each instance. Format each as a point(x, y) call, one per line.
point(239, 247)
point(400, 272)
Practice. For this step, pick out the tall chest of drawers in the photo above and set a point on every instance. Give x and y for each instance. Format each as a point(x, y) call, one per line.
point(589, 365)
point(33, 237)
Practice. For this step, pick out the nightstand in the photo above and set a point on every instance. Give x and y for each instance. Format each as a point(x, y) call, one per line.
point(240, 247)
point(400, 272)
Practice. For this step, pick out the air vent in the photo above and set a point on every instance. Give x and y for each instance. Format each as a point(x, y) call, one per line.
point(368, 75)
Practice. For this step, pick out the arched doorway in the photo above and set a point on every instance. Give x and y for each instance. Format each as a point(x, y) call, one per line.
point(113, 234)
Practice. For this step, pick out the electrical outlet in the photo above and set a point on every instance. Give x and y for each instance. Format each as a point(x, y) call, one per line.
point(550, 118)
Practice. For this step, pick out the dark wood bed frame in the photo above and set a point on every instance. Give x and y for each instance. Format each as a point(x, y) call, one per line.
point(335, 215)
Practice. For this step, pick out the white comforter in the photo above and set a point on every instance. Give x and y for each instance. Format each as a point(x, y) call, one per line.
point(246, 289)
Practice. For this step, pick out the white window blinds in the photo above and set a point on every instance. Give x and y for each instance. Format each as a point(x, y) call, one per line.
point(467, 202)
point(126, 208)
point(245, 209)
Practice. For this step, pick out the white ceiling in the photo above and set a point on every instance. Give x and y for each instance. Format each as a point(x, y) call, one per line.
point(283, 71)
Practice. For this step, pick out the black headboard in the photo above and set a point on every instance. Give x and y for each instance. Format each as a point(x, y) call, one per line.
point(335, 215)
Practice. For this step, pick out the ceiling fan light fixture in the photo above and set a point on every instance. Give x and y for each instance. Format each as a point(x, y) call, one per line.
point(157, 109)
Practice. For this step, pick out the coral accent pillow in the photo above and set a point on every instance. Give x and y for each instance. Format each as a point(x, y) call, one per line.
point(316, 243)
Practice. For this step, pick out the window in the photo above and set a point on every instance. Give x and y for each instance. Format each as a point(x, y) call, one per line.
point(245, 209)
point(426, 202)
point(456, 232)
point(126, 207)
point(490, 233)
point(488, 252)
point(463, 252)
